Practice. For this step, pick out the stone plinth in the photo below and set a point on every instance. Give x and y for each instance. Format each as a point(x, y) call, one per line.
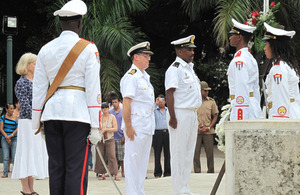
point(262, 157)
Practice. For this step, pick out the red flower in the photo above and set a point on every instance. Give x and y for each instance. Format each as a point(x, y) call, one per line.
point(273, 4)
point(246, 22)
point(254, 21)
point(255, 14)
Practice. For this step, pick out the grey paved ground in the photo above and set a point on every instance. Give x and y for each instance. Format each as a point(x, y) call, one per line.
point(199, 183)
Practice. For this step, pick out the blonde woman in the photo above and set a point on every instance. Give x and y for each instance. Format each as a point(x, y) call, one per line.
point(31, 160)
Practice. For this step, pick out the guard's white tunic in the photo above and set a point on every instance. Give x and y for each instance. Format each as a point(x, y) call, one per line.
point(187, 99)
point(283, 92)
point(243, 84)
point(136, 85)
point(67, 104)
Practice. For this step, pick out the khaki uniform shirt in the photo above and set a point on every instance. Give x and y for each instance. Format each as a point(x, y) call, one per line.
point(206, 112)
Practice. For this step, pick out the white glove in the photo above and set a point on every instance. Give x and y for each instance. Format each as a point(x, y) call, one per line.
point(94, 136)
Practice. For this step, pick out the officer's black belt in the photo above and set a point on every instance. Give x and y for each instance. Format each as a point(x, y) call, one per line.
point(163, 130)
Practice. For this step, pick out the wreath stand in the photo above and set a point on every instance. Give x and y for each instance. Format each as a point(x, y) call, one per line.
point(218, 181)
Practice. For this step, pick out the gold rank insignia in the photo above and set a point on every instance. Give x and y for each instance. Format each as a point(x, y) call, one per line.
point(192, 39)
point(132, 72)
point(176, 64)
point(148, 46)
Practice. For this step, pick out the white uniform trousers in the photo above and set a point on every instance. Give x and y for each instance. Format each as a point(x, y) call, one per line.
point(182, 147)
point(136, 161)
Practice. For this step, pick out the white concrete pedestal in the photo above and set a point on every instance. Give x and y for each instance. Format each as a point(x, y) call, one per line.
point(262, 157)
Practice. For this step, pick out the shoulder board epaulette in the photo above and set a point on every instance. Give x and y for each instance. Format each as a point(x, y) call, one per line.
point(88, 41)
point(176, 64)
point(211, 99)
point(238, 54)
point(133, 71)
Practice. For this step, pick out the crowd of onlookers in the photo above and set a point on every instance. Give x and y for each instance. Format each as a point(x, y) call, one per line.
point(111, 146)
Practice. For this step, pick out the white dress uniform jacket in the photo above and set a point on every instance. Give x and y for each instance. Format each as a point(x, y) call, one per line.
point(283, 92)
point(181, 75)
point(243, 81)
point(67, 104)
point(136, 85)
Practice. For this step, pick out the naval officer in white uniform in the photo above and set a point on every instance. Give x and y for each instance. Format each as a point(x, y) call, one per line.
point(183, 92)
point(73, 109)
point(282, 81)
point(243, 75)
point(138, 118)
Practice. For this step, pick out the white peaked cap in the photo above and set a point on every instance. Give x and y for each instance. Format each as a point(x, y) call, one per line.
point(72, 8)
point(143, 47)
point(184, 42)
point(275, 33)
point(239, 26)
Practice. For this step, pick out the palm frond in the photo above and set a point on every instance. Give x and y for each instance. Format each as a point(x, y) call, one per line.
point(193, 8)
point(226, 10)
point(289, 14)
point(116, 36)
point(110, 76)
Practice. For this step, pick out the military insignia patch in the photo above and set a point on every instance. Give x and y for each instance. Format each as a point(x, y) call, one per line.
point(97, 57)
point(238, 54)
point(133, 71)
point(176, 64)
point(99, 98)
point(192, 39)
point(239, 65)
point(240, 99)
point(281, 110)
point(277, 78)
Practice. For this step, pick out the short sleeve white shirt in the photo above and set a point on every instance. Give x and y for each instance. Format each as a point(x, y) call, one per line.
point(136, 85)
point(181, 76)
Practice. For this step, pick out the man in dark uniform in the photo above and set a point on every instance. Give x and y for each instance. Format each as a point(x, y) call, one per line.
point(74, 109)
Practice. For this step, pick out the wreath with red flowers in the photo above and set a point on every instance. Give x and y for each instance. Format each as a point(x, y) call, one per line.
point(257, 19)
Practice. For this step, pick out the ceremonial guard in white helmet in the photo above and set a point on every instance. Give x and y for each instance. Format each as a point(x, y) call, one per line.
point(243, 76)
point(74, 109)
point(282, 81)
point(138, 118)
point(183, 93)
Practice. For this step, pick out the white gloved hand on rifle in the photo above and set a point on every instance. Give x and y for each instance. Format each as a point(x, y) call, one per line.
point(94, 136)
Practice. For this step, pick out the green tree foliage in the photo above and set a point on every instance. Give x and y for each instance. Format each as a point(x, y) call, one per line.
point(108, 24)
